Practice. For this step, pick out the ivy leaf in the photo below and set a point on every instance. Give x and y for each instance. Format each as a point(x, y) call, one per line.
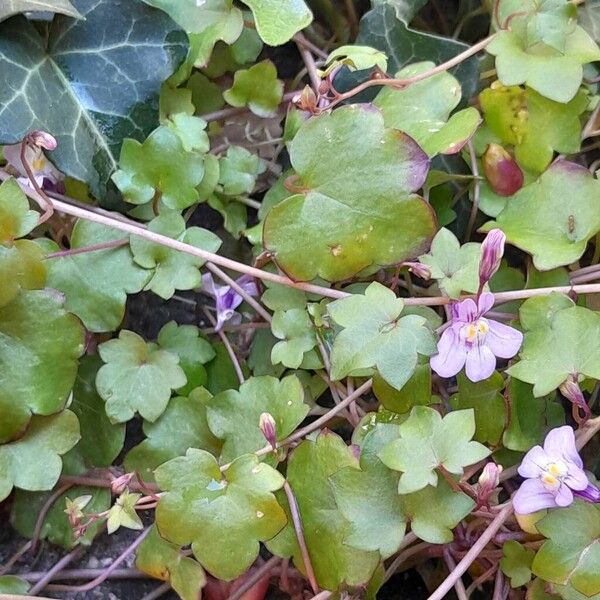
point(137, 376)
point(335, 563)
point(159, 168)
point(239, 169)
point(221, 372)
point(13, 585)
point(39, 346)
point(33, 461)
point(193, 350)
point(123, 514)
point(96, 284)
point(162, 560)
point(56, 527)
point(516, 563)
point(101, 441)
point(515, 65)
point(228, 58)
point(223, 515)
point(455, 267)
point(340, 225)
point(534, 125)
point(385, 27)
point(296, 332)
point(589, 18)
point(487, 402)
point(427, 441)
point(233, 415)
point(576, 331)
point(13, 7)
point(356, 58)
point(172, 270)
point(257, 88)
point(234, 213)
point(183, 425)
point(530, 418)
point(100, 95)
point(405, 9)
point(416, 391)
point(423, 111)
point(572, 553)
point(278, 20)
point(550, 222)
point(375, 335)
point(368, 498)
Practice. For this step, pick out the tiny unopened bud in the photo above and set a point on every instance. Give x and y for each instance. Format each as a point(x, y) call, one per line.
point(419, 269)
point(119, 484)
point(502, 171)
point(74, 510)
point(269, 428)
point(43, 140)
point(572, 392)
point(492, 251)
point(306, 100)
point(488, 482)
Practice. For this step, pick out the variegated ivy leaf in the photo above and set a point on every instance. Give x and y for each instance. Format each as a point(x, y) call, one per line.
point(223, 516)
point(137, 376)
point(355, 206)
point(98, 95)
point(376, 335)
point(13, 7)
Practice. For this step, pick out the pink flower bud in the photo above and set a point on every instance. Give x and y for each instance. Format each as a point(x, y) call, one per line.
point(502, 171)
point(492, 250)
point(572, 392)
point(488, 482)
point(269, 428)
point(419, 269)
point(119, 484)
point(43, 140)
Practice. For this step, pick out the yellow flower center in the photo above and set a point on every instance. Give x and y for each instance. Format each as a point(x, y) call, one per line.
point(476, 331)
point(39, 164)
point(553, 475)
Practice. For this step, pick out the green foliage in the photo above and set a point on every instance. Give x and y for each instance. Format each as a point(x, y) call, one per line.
point(96, 103)
point(516, 563)
point(427, 442)
point(416, 391)
point(11, 584)
point(375, 335)
point(571, 554)
point(455, 267)
point(123, 514)
point(258, 88)
point(237, 508)
point(356, 58)
point(172, 270)
point(234, 416)
point(275, 28)
point(39, 346)
point(296, 332)
point(315, 232)
point(162, 560)
point(423, 111)
point(550, 222)
point(137, 376)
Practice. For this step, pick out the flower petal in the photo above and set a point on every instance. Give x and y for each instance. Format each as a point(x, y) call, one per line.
point(534, 462)
point(480, 363)
point(451, 355)
point(208, 285)
point(564, 496)
point(576, 479)
point(248, 284)
point(532, 496)
point(560, 445)
point(464, 311)
point(503, 341)
point(590, 494)
point(485, 303)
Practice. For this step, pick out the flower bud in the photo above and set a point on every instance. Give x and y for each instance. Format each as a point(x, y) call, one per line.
point(572, 392)
point(492, 250)
point(502, 171)
point(43, 140)
point(269, 428)
point(419, 269)
point(119, 484)
point(306, 100)
point(488, 481)
point(590, 494)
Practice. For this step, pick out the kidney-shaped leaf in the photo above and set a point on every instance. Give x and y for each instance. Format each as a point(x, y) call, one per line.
point(100, 75)
point(355, 207)
point(223, 515)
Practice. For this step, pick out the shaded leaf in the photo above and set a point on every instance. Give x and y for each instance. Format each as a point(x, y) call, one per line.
point(516, 563)
point(416, 391)
point(137, 376)
point(340, 225)
point(13, 7)
point(11, 584)
point(223, 515)
point(296, 332)
point(101, 74)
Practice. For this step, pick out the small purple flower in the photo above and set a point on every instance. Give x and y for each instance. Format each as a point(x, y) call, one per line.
point(554, 475)
point(47, 176)
point(492, 250)
point(474, 342)
point(227, 299)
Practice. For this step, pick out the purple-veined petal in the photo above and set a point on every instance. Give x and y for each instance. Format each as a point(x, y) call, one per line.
point(564, 496)
point(534, 462)
point(560, 445)
point(464, 311)
point(480, 363)
point(485, 303)
point(208, 285)
point(502, 340)
point(576, 479)
point(590, 494)
point(532, 496)
point(451, 355)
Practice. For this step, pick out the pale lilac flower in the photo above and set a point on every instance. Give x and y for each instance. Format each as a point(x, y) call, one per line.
point(47, 176)
point(227, 299)
point(492, 250)
point(474, 342)
point(554, 475)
